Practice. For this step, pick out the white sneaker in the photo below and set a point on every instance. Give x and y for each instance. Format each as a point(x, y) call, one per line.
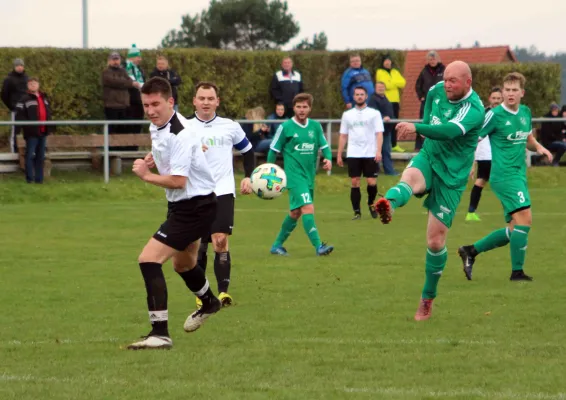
point(197, 318)
point(152, 342)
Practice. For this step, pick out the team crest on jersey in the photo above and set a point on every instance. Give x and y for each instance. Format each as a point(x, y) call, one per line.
point(435, 121)
point(523, 120)
point(311, 134)
point(448, 113)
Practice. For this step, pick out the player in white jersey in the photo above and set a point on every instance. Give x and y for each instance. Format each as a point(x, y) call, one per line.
point(362, 128)
point(189, 188)
point(483, 162)
point(220, 136)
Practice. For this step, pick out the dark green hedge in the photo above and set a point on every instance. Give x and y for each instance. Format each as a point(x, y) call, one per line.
point(72, 78)
point(543, 82)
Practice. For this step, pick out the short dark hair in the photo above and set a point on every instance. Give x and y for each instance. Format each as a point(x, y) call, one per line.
point(495, 89)
point(361, 88)
point(157, 85)
point(279, 104)
point(303, 98)
point(206, 85)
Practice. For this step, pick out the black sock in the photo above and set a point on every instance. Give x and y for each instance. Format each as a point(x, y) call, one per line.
point(202, 258)
point(475, 198)
point(372, 194)
point(156, 288)
point(222, 267)
point(198, 284)
point(356, 198)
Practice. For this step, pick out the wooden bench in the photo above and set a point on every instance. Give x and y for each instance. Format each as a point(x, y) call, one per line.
point(88, 150)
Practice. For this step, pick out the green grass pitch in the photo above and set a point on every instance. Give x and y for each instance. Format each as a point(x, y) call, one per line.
point(303, 327)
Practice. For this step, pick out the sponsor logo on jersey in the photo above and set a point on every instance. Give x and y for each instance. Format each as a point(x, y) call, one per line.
point(215, 141)
point(304, 148)
point(507, 123)
point(518, 136)
point(435, 121)
point(295, 135)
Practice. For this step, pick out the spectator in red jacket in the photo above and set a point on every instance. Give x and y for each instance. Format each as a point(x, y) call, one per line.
point(34, 106)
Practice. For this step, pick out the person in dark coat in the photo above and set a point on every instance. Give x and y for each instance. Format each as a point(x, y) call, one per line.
point(286, 84)
point(14, 87)
point(552, 134)
point(162, 70)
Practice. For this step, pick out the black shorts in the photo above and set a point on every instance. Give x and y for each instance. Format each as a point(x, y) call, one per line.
point(187, 221)
point(484, 169)
point(224, 221)
point(362, 166)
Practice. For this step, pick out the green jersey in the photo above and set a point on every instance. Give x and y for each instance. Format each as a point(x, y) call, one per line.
point(508, 133)
point(452, 156)
point(299, 145)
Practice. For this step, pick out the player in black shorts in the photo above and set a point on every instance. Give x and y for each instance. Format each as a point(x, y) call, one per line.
point(483, 162)
point(221, 136)
point(362, 128)
point(189, 188)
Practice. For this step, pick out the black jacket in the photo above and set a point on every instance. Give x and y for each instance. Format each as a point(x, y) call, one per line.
point(285, 87)
point(384, 106)
point(14, 87)
point(551, 131)
point(173, 78)
point(27, 109)
point(428, 78)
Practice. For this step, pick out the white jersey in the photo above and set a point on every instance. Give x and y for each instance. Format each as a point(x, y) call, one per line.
point(177, 151)
point(361, 126)
point(221, 136)
point(483, 151)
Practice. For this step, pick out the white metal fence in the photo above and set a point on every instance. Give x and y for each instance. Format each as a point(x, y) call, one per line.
point(105, 125)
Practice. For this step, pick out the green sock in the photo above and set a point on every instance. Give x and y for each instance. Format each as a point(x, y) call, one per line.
point(495, 239)
point(288, 226)
point(310, 229)
point(519, 239)
point(399, 194)
point(435, 263)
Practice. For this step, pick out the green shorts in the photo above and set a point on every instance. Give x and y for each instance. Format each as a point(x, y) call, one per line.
point(513, 195)
point(441, 201)
point(299, 196)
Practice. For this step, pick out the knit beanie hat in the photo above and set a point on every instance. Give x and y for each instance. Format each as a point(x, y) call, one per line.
point(134, 52)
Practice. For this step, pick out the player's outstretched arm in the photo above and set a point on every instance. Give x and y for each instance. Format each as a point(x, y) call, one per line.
point(534, 145)
point(439, 132)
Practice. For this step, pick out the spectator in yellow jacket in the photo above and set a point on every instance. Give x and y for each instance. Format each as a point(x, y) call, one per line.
point(393, 81)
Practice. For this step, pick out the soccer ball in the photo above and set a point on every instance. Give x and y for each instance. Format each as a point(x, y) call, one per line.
point(268, 181)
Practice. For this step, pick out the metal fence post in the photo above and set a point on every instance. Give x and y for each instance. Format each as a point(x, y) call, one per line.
point(329, 140)
point(106, 155)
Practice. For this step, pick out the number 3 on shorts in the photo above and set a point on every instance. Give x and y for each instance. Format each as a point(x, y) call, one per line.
point(521, 197)
point(307, 198)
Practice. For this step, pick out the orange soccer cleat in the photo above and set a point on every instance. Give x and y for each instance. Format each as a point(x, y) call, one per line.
point(384, 210)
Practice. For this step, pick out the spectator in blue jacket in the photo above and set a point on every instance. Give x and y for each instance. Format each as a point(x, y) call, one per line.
point(353, 77)
point(278, 115)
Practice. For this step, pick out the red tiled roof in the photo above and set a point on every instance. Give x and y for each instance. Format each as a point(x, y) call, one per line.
point(415, 61)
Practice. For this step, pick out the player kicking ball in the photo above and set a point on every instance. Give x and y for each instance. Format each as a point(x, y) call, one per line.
point(510, 132)
point(189, 188)
point(452, 121)
point(298, 140)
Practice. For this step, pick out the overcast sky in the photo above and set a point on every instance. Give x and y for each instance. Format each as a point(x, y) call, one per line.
point(356, 24)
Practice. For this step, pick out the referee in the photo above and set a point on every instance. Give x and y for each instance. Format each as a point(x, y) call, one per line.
point(189, 189)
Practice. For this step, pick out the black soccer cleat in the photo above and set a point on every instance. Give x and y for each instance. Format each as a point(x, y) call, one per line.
point(357, 216)
point(520, 276)
point(373, 212)
point(468, 255)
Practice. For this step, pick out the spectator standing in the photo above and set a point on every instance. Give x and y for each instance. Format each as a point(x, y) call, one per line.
point(552, 134)
point(135, 111)
point(432, 73)
point(286, 84)
point(355, 76)
point(116, 83)
point(258, 134)
point(393, 81)
point(162, 70)
point(380, 102)
point(34, 106)
point(14, 88)
point(278, 115)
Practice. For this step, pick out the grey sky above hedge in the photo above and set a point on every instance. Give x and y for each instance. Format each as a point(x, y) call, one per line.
point(368, 24)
